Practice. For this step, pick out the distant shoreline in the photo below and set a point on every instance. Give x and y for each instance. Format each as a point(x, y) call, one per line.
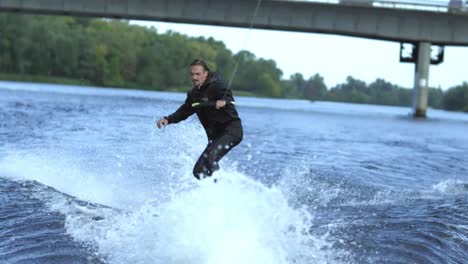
point(8, 77)
point(68, 81)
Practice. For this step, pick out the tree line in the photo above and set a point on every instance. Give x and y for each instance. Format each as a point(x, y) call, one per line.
point(114, 53)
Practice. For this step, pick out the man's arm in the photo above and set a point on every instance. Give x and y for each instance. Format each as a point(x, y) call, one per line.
point(182, 113)
point(223, 94)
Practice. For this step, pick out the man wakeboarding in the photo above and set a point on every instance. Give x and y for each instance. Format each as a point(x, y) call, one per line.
point(214, 105)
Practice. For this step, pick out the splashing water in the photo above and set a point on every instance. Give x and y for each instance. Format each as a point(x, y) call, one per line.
point(236, 220)
point(451, 186)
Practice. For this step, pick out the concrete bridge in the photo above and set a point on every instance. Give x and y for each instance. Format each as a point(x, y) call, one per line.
point(419, 22)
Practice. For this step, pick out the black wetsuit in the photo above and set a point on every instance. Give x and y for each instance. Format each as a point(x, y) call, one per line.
point(222, 126)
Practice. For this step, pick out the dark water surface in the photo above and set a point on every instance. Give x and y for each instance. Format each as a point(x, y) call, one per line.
point(85, 177)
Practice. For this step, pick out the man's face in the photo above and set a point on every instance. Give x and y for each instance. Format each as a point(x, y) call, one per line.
point(198, 75)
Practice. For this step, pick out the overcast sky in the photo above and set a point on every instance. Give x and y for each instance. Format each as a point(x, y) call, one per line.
point(332, 56)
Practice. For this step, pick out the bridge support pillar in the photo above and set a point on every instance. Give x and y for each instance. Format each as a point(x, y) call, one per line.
point(421, 79)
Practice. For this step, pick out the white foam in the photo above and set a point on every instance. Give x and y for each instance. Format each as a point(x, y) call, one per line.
point(236, 220)
point(451, 186)
point(68, 177)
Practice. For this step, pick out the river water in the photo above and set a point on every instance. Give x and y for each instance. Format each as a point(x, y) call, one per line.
point(86, 177)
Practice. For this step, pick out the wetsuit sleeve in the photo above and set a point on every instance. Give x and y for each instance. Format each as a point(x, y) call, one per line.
point(184, 111)
point(222, 92)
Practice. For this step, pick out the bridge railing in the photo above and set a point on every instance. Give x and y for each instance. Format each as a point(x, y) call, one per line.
point(427, 5)
point(454, 6)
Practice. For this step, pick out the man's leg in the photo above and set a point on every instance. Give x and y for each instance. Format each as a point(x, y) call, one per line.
point(201, 169)
point(208, 161)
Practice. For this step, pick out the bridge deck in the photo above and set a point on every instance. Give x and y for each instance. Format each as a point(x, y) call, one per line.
point(360, 18)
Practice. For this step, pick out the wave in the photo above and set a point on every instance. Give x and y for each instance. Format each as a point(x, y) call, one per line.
point(236, 220)
point(303, 217)
point(451, 186)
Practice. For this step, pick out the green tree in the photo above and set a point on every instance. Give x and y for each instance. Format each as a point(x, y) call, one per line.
point(456, 98)
point(297, 80)
point(352, 91)
point(435, 97)
point(382, 92)
point(266, 86)
point(315, 88)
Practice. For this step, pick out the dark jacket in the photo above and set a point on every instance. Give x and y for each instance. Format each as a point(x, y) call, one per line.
point(213, 120)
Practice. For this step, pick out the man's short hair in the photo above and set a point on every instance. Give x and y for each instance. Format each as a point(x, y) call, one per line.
point(200, 63)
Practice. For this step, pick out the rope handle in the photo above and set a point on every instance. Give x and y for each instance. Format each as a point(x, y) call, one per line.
point(205, 104)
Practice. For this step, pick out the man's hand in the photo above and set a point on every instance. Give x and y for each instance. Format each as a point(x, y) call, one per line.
point(220, 103)
point(162, 122)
